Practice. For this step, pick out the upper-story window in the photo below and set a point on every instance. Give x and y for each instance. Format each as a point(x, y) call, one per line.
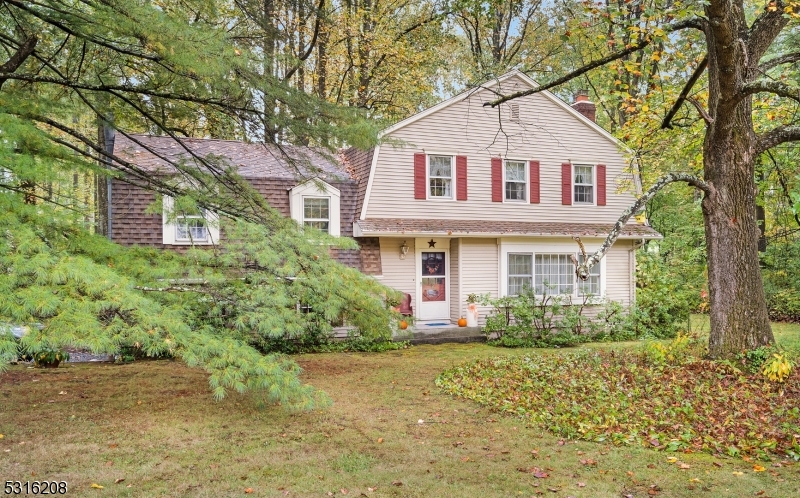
point(317, 213)
point(316, 204)
point(440, 177)
point(583, 184)
point(516, 181)
point(191, 226)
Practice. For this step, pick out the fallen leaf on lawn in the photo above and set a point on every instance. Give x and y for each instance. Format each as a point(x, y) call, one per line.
point(380, 439)
point(397, 483)
point(117, 481)
point(214, 466)
point(540, 474)
point(113, 445)
point(96, 486)
point(62, 392)
point(672, 459)
point(465, 459)
point(330, 494)
point(343, 491)
point(717, 464)
point(737, 473)
point(1, 436)
point(554, 490)
point(651, 465)
point(248, 490)
point(758, 468)
point(684, 466)
point(109, 464)
point(581, 484)
point(589, 461)
point(420, 421)
point(371, 489)
point(694, 479)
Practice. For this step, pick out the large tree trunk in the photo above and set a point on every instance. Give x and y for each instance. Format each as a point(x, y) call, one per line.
point(739, 318)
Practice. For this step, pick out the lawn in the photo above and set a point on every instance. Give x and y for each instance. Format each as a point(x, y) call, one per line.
point(154, 428)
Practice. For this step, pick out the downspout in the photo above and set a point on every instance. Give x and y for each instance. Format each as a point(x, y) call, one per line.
point(108, 147)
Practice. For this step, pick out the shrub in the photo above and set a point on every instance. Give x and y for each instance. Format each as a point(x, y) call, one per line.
point(663, 299)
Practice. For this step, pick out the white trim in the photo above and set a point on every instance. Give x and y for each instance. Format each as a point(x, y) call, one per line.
point(489, 235)
point(526, 171)
point(363, 214)
point(420, 246)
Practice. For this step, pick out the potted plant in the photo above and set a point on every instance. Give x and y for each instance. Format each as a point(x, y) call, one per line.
point(472, 310)
point(49, 358)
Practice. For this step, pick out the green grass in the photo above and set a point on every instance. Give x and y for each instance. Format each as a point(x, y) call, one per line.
point(155, 425)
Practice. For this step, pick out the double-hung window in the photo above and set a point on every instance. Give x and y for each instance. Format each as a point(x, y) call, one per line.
point(515, 181)
point(583, 184)
point(316, 213)
point(554, 274)
point(440, 177)
point(520, 273)
point(187, 224)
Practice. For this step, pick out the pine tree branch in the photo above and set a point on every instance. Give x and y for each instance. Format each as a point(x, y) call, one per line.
point(698, 71)
point(582, 269)
point(777, 136)
point(689, 23)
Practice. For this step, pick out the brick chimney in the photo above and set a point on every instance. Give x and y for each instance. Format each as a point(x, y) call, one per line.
point(583, 105)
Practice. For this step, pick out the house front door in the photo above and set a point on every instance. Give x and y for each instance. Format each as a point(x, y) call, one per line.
point(434, 285)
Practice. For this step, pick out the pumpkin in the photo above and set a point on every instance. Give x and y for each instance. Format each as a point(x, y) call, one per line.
point(462, 322)
point(403, 324)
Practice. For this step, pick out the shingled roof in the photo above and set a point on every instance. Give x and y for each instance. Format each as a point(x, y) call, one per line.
point(386, 226)
point(251, 160)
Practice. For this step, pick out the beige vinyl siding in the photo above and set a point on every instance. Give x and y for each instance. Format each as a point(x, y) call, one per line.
point(545, 132)
point(480, 270)
point(399, 273)
point(618, 272)
point(456, 308)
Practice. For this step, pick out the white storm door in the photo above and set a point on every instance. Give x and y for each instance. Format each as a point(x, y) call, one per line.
point(434, 278)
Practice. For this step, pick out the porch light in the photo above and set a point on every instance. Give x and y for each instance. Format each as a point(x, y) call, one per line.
point(403, 250)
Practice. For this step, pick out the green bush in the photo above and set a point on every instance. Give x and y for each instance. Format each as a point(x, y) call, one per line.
point(781, 266)
point(664, 300)
point(551, 320)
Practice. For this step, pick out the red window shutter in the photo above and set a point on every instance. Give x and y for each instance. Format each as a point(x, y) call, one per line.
point(497, 179)
point(420, 163)
point(601, 184)
point(534, 172)
point(566, 184)
point(461, 178)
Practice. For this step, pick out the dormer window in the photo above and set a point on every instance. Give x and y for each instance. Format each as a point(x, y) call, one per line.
point(316, 204)
point(317, 213)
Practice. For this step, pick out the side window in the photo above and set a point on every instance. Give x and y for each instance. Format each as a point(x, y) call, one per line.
point(583, 184)
point(188, 226)
point(520, 273)
point(440, 177)
point(592, 285)
point(515, 181)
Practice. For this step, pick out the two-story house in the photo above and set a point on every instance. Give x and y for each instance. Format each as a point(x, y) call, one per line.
point(481, 200)
point(459, 199)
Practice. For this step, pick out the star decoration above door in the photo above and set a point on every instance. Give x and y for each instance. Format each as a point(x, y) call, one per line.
point(432, 243)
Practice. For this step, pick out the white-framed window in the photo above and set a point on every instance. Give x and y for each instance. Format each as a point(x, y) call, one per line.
point(192, 227)
point(520, 273)
point(440, 177)
point(317, 213)
point(591, 286)
point(554, 274)
point(316, 203)
point(515, 181)
point(583, 184)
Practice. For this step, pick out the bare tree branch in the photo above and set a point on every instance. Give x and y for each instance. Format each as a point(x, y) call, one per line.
point(19, 57)
point(776, 87)
point(582, 269)
point(689, 23)
point(777, 61)
point(700, 109)
point(765, 29)
point(777, 136)
point(698, 71)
